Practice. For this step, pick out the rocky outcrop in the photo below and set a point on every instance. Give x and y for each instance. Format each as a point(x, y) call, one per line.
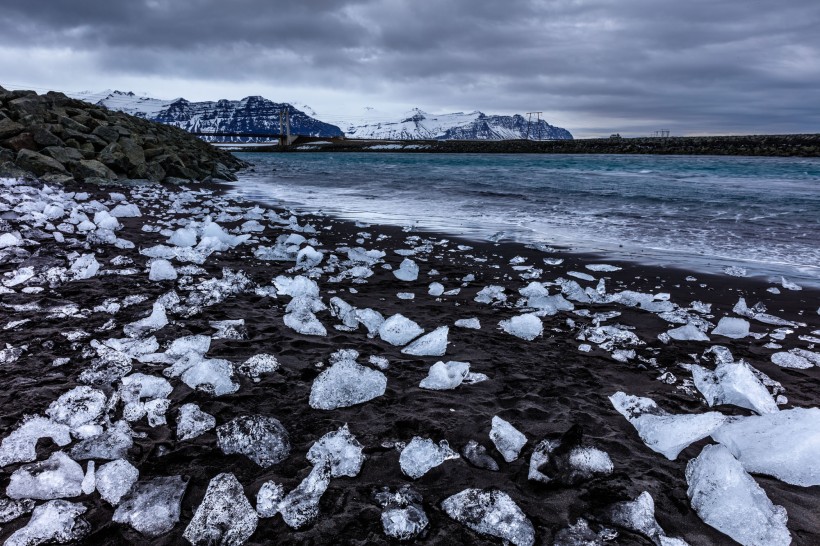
point(60, 139)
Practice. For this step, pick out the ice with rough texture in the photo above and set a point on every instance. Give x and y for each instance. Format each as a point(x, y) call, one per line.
point(343, 451)
point(229, 329)
point(20, 445)
point(784, 444)
point(155, 321)
point(145, 395)
point(59, 476)
point(527, 326)
point(403, 517)
point(476, 454)
point(193, 422)
point(262, 439)
point(445, 375)
point(78, 407)
point(225, 516)
point(422, 454)
point(111, 444)
point(470, 323)
point(300, 507)
point(268, 499)
point(11, 509)
point(733, 383)
point(567, 460)
point(84, 267)
point(688, 332)
point(638, 516)
point(399, 330)
point(727, 498)
point(162, 270)
point(491, 512)
point(581, 534)
point(791, 360)
point(432, 344)
point(56, 521)
point(152, 506)
point(256, 365)
point(346, 383)
point(491, 293)
point(213, 376)
point(407, 271)
point(507, 439)
point(731, 327)
point(663, 432)
point(115, 479)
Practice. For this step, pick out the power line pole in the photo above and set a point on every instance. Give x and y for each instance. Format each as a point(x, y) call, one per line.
point(281, 128)
point(529, 119)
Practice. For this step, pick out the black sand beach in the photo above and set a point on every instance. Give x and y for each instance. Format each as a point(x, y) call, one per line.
point(543, 387)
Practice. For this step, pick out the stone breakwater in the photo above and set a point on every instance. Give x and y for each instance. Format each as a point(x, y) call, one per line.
point(59, 139)
point(807, 145)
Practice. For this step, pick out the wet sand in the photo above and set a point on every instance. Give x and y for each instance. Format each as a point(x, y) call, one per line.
point(543, 387)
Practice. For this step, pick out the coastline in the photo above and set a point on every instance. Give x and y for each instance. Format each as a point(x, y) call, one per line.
point(543, 386)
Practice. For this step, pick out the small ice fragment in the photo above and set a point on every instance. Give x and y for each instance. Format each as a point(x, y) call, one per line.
point(788, 285)
point(193, 422)
point(527, 326)
point(602, 267)
point(688, 332)
point(471, 323)
point(508, 440)
point(229, 329)
point(126, 210)
point(791, 360)
point(582, 276)
point(399, 330)
point(727, 498)
point(225, 515)
point(256, 365)
point(155, 321)
point(114, 443)
point(735, 271)
point(260, 438)
point(145, 395)
point(341, 449)
point(346, 383)
point(213, 376)
point(783, 445)
point(476, 454)
point(422, 455)
point(491, 293)
point(638, 516)
point(407, 271)
point(567, 460)
point(432, 344)
point(300, 507)
point(406, 295)
point(84, 267)
point(90, 480)
point(733, 383)
point(152, 506)
point(436, 289)
point(183, 237)
point(445, 375)
point(59, 476)
point(115, 479)
point(268, 499)
point(162, 270)
point(731, 327)
point(663, 432)
point(491, 512)
point(56, 521)
point(403, 517)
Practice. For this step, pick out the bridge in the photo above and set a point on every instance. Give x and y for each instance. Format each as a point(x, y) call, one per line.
point(284, 140)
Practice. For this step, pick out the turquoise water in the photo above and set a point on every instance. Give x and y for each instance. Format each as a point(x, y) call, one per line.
point(701, 213)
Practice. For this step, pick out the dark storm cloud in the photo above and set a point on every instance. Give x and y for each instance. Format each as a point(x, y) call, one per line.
point(632, 65)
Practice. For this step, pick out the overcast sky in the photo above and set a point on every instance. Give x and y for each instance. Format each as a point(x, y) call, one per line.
point(592, 66)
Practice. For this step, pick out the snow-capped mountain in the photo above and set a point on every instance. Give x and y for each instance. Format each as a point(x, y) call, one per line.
point(249, 115)
point(419, 125)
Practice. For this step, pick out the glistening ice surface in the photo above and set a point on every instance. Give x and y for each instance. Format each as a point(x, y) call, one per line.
point(698, 212)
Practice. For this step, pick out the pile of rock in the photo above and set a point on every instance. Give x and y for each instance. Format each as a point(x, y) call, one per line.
point(58, 139)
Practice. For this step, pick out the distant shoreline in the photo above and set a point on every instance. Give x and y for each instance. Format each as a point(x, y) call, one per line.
point(802, 145)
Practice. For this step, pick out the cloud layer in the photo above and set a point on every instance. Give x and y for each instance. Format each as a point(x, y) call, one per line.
point(593, 66)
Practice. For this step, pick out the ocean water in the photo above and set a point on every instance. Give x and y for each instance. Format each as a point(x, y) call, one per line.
point(699, 213)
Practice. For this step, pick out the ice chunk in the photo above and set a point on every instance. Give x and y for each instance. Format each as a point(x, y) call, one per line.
point(370, 319)
point(784, 445)
point(212, 376)
point(193, 422)
point(435, 289)
point(788, 285)
point(300, 507)
point(225, 515)
point(156, 320)
point(508, 440)
point(229, 329)
point(689, 332)
point(57, 477)
point(268, 499)
point(145, 395)
point(308, 257)
point(445, 375)
point(90, 480)
point(399, 330)
point(791, 360)
point(152, 506)
point(602, 267)
point(567, 460)
point(20, 445)
point(342, 450)
point(296, 286)
point(11, 509)
point(256, 365)
point(471, 323)
point(491, 293)
point(580, 534)
point(638, 516)
point(432, 344)
point(491, 512)
point(56, 521)
point(346, 383)
point(84, 267)
point(184, 237)
point(403, 517)
point(189, 344)
point(303, 321)
point(114, 443)
point(260, 438)
point(728, 499)
point(663, 432)
point(733, 383)
point(162, 270)
point(476, 454)
point(423, 454)
point(115, 479)
point(731, 327)
point(527, 326)
point(407, 271)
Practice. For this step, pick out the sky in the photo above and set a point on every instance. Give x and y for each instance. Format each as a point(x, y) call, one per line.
point(595, 67)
